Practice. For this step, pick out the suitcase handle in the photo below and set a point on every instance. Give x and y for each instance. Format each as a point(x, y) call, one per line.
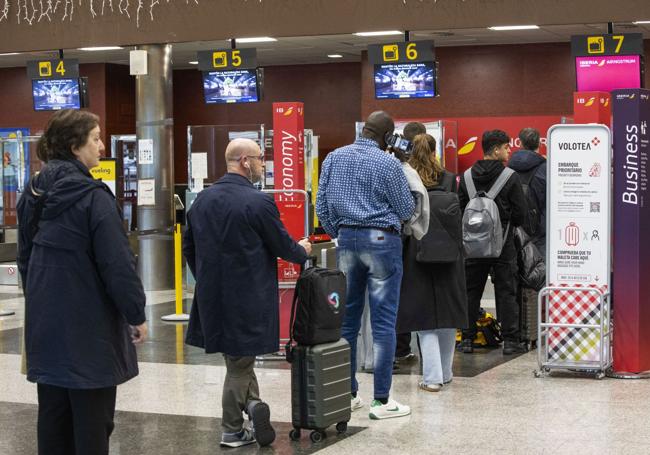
point(288, 348)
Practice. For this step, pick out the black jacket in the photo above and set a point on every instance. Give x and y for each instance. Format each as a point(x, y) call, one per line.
point(525, 163)
point(81, 286)
point(510, 201)
point(433, 296)
point(233, 239)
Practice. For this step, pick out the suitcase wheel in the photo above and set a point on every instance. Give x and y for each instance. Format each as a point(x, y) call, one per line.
point(341, 427)
point(316, 436)
point(294, 434)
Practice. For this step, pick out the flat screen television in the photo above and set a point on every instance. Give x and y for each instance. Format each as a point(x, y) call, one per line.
point(405, 80)
point(56, 94)
point(235, 86)
point(608, 73)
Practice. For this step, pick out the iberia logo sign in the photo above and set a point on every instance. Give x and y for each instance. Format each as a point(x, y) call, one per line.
point(288, 112)
point(590, 102)
point(468, 147)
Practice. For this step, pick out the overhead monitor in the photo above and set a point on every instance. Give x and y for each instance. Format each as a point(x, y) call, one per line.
point(56, 94)
point(608, 73)
point(235, 86)
point(405, 80)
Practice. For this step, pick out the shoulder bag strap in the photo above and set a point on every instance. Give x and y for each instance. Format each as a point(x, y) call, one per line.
point(500, 183)
point(469, 183)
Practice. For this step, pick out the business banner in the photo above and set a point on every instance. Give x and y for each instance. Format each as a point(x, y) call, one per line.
point(578, 236)
point(289, 173)
point(631, 224)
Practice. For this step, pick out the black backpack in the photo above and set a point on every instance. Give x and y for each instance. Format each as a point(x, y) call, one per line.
point(443, 242)
point(318, 307)
point(533, 216)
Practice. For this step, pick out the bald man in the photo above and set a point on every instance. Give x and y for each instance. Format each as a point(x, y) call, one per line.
point(233, 239)
point(363, 197)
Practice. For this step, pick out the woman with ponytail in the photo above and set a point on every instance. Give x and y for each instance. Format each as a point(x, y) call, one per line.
point(433, 299)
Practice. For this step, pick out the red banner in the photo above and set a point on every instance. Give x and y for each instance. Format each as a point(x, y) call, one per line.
point(592, 107)
point(289, 173)
point(470, 131)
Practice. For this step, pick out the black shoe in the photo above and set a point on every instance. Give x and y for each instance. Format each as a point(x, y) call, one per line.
point(261, 417)
point(513, 347)
point(466, 347)
point(408, 358)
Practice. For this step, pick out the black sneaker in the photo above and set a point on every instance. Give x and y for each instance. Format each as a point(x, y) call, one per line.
point(408, 358)
point(513, 347)
point(262, 429)
point(466, 347)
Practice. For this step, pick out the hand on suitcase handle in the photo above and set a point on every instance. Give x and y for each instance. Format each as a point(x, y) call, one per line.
point(306, 244)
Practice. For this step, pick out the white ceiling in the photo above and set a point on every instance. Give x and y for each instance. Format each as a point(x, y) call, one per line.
point(314, 49)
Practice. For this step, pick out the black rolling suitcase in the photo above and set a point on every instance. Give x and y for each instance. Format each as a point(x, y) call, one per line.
point(320, 361)
point(320, 388)
point(528, 316)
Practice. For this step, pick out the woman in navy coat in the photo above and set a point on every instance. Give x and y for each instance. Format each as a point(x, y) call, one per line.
point(84, 302)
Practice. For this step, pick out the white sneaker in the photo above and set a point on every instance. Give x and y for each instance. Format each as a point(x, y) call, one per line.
point(389, 410)
point(356, 403)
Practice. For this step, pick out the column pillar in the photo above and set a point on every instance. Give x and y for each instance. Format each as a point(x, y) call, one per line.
point(154, 112)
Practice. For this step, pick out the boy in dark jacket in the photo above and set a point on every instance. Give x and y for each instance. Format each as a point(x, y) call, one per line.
point(531, 168)
point(512, 211)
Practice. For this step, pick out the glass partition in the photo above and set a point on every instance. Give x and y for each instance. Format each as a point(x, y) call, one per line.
point(206, 145)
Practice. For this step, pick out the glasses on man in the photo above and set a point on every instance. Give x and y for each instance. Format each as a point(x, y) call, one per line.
point(257, 157)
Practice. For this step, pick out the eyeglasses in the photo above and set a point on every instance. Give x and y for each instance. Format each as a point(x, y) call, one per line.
point(257, 157)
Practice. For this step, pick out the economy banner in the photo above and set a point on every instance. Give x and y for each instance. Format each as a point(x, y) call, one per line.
point(631, 223)
point(289, 173)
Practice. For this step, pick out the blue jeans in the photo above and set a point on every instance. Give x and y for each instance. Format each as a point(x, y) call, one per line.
point(437, 348)
point(372, 260)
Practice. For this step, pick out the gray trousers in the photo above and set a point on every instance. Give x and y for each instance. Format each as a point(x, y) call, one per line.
point(240, 390)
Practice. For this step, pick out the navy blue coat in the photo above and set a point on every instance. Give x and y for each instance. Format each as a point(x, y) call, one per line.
point(81, 287)
point(233, 239)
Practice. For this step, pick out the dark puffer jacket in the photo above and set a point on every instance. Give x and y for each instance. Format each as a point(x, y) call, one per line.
point(531, 166)
point(81, 287)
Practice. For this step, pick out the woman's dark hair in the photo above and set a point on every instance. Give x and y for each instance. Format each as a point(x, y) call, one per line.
point(424, 160)
point(67, 129)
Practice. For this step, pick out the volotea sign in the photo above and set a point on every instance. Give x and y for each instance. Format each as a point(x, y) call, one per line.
point(579, 205)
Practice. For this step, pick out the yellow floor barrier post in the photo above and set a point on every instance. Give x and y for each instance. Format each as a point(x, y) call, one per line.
point(179, 316)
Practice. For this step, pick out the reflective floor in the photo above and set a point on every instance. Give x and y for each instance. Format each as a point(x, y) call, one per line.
point(493, 406)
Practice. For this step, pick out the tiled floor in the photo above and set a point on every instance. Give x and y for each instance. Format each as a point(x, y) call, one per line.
point(493, 406)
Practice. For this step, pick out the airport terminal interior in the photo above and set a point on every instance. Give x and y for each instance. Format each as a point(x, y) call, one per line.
point(168, 110)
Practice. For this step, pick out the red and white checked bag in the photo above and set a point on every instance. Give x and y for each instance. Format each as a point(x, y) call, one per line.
point(575, 307)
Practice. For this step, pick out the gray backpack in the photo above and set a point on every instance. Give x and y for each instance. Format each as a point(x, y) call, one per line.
point(483, 235)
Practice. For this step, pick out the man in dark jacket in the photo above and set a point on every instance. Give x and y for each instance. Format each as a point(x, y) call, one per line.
point(512, 212)
point(233, 239)
point(531, 167)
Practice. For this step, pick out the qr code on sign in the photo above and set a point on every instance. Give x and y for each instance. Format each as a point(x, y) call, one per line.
point(595, 207)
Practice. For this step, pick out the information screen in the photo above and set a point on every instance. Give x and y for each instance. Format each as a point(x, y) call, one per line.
point(405, 80)
point(237, 86)
point(608, 73)
point(55, 94)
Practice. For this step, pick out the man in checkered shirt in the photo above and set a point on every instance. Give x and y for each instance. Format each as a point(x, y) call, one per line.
point(363, 197)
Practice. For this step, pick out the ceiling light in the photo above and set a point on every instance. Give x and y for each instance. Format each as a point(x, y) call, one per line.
point(385, 33)
point(514, 27)
point(193, 62)
point(334, 55)
point(259, 39)
point(641, 22)
point(100, 48)
point(10, 53)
